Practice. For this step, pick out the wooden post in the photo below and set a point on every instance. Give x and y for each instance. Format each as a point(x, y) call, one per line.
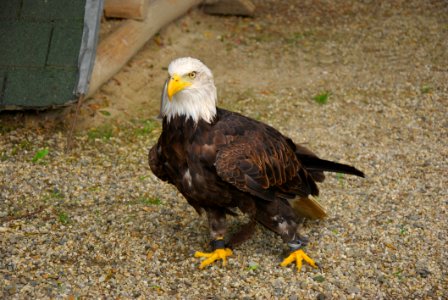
point(116, 50)
point(128, 9)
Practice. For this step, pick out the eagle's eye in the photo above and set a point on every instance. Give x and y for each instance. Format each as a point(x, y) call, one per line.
point(192, 75)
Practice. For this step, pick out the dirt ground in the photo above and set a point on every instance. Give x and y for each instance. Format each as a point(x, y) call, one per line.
point(95, 223)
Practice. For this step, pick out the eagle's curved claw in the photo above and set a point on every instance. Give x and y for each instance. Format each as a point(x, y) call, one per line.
point(213, 256)
point(298, 256)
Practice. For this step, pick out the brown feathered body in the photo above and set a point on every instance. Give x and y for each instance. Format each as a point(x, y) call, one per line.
point(237, 162)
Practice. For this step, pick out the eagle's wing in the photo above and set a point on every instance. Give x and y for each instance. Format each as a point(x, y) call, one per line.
point(266, 167)
point(156, 164)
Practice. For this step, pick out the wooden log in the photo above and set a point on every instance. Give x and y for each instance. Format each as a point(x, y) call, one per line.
point(128, 9)
point(229, 7)
point(116, 50)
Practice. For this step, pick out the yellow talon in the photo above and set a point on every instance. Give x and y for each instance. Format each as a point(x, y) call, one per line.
point(298, 256)
point(215, 255)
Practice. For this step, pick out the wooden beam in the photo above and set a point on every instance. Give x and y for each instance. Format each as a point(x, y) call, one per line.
point(128, 9)
point(116, 50)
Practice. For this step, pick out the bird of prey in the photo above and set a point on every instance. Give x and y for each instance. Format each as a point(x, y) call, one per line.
point(222, 161)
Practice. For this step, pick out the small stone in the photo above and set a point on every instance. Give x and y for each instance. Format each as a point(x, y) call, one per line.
point(11, 266)
point(136, 294)
point(423, 272)
point(321, 297)
point(278, 283)
point(11, 289)
point(353, 290)
point(278, 291)
point(382, 279)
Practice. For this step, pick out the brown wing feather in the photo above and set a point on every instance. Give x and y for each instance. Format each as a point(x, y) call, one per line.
point(155, 164)
point(257, 165)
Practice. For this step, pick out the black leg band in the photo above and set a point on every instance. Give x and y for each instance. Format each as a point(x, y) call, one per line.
point(295, 245)
point(218, 244)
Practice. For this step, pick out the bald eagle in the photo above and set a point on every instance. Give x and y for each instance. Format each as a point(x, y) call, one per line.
point(222, 161)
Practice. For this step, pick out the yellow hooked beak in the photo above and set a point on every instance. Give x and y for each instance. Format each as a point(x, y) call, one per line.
point(175, 85)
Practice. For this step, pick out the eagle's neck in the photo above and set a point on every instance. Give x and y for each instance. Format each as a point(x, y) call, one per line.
point(195, 104)
point(181, 129)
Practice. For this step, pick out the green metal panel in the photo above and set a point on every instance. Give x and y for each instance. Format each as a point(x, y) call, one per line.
point(9, 9)
point(49, 10)
point(64, 48)
point(40, 42)
point(24, 44)
point(38, 88)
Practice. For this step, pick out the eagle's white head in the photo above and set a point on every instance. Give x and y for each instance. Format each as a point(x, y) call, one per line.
point(189, 91)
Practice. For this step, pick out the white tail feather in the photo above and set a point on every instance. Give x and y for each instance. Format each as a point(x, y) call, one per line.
point(308, 207)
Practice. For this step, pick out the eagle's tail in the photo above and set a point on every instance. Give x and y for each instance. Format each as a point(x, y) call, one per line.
point(308, 206)
point(316, 166)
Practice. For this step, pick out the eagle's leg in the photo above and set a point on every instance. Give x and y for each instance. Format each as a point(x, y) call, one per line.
point(280, 218)
point(297, 254)
point(243, 234)
point(218, 228)
point(288, 231)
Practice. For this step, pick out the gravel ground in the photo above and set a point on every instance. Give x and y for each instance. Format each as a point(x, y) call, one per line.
point(96, 223)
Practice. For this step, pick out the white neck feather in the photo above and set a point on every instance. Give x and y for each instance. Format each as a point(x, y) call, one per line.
point(194, 103)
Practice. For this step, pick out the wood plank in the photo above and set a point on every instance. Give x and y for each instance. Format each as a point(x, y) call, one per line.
point(127, 9)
